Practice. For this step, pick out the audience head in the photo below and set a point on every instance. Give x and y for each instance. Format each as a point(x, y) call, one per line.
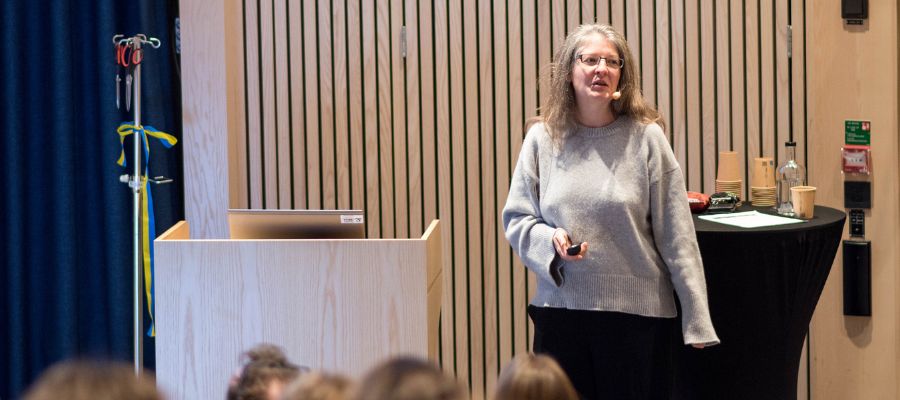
point(534, 377)
point(318, 386)
point(407, 378)
point(265, 372)
point(93, 380)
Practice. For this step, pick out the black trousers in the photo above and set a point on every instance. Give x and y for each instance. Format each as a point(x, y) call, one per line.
point(608, 355)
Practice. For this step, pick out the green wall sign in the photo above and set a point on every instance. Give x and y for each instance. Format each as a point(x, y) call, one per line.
point(857, 132)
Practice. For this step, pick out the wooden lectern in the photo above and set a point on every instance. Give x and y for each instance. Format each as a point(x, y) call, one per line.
point(339, 305)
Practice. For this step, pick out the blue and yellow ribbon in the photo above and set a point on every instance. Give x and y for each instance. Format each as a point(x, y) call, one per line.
point(128, 128)
point(148, 228)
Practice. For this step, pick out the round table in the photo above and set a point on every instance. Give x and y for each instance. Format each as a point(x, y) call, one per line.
point(763, 286)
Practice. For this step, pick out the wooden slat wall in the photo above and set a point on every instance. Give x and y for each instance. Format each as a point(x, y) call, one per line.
point(414, 111)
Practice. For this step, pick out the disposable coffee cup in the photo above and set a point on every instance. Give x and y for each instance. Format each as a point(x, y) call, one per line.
point(763, 172)
point(729, 167)
point(804, 201)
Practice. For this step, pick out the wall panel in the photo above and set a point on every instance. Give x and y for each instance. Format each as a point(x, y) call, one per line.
point(414, 110)
point(856, 357)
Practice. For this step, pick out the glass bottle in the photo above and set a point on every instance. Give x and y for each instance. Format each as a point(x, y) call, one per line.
point(790, 173)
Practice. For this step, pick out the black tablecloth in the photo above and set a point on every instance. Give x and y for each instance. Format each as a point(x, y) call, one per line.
point(763, 286)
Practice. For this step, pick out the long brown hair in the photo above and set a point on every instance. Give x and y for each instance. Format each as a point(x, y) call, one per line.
point(534, 377)
point(408, 378)
point(93, 380)
point(559, 112)
point(318, 386)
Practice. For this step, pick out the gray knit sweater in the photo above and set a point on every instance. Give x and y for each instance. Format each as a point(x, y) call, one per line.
point(620, 189)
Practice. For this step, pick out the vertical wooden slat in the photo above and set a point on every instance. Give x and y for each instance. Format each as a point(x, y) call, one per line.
point(385, 122)
point(457, 131)
point(782, 72)
point(557, 25)
point(530, 64)
point(543, 42)
point(370, 120)
point(738, 77)
point(254, 97)
point(663, 65)
point(413, 115)
point(282, 112)
point(313, 147)
point(488, 175)
point(768, 81)
point(798, 73)
point(723, 77)
point(398, 124)
point(647, 47)
point(355, 67)
point(678, 96)
point(603, 11)
point(633, 32)
point(708, 80)
point(341, 110)
point(326, 105)
point(617, 15)
point(588, 11)
point(298, 101)
point(428, 123)
point(427, 93)
point(753, 92)
point(444, 168)
point(269, 115)
point(267, 76)
point(238, 168)
point(509, 87)
point(693, 82)
point(573, 14)
point(472, 190)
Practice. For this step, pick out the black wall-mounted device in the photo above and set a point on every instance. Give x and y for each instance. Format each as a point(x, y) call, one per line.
point(858, 277)
point(857, 194)
point(854, 9)
point(857, 223)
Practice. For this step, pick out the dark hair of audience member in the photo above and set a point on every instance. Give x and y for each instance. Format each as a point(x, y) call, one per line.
point(318, 386)
point(93, 380)
point(534, 377)
point(266, 370)
point(408, 378)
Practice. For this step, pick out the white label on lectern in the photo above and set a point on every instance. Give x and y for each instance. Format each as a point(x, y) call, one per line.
point(352, 219)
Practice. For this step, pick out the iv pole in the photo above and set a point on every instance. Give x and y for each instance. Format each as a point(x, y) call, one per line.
point(134, 182)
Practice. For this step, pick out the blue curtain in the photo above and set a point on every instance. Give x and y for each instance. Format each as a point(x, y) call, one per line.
point(65, 219)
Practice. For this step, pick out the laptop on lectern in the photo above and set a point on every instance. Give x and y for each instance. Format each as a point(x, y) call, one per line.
point(296, 224)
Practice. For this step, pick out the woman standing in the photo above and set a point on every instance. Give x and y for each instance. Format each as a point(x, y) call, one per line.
point(597, 170)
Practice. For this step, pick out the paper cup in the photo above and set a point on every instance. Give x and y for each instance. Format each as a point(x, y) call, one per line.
point(763, 172)
point(804, 201)
point(729, 168)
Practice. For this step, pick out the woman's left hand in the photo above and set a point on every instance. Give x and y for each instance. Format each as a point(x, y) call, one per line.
point(698, 345)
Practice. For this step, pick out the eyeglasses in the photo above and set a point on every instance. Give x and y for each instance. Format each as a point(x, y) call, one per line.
point(591, 60)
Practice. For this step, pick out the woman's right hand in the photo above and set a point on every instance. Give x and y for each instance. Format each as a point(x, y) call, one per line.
point(561, 242)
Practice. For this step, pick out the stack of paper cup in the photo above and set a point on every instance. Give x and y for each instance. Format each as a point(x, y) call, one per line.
point(728, 177)
point(762, 182)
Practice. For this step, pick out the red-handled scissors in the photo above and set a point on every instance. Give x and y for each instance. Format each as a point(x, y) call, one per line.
point(127, 55)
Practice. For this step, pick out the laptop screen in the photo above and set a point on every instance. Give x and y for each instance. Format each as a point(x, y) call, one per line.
point(297, 224)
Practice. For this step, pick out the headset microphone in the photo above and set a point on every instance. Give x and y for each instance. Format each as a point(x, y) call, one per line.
point(617, 94)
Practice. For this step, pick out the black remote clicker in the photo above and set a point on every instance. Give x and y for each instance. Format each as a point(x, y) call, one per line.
point(574, 249)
